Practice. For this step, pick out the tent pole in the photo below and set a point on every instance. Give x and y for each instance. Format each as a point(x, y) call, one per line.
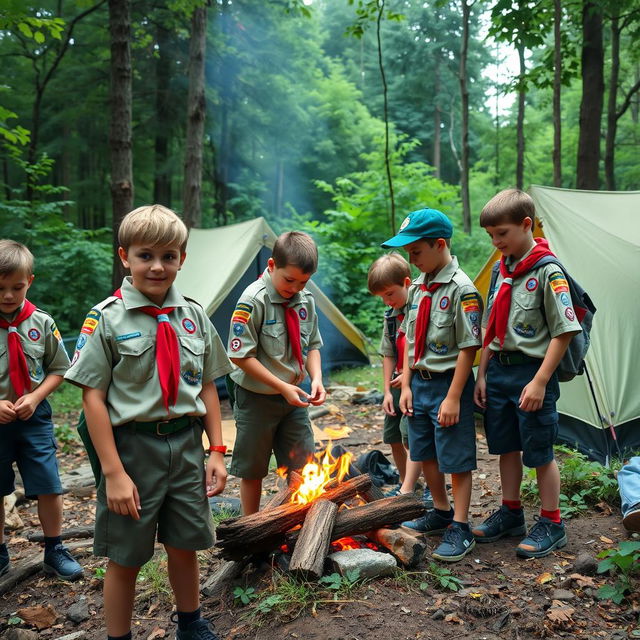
point(602, 419)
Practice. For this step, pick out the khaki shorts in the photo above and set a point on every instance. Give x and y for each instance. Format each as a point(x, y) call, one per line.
point(395, 428)
point(169, 474)
point(266, 423)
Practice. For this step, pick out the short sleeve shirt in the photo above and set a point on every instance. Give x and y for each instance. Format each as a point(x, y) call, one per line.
point(43, 351)
point(454, 322)
point(386, 345)
point(258, 330)
point(541, 309)
point(115, 352)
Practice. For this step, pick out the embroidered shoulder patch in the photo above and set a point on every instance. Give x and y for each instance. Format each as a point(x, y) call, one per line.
point(56, 333)
point(91, 322)
point(242, 312)
point(470, 303)
point(558, 282)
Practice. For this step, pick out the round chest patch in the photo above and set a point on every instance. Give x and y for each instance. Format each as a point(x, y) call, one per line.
point(235, 344)
point(444, 303)
point(33, 334)
point(189, 325)
point(475, 330)
point(405, 223)
point(303, 314)
point(532, 284)
point(569, 313)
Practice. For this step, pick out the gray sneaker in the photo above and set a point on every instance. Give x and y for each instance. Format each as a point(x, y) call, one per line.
point(61, 563)
point(456, 543)
point(502, 522)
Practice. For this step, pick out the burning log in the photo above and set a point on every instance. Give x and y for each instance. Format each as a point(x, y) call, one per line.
point(407, 549)
point(294, 480)
point(248, 534)
point(314, 539)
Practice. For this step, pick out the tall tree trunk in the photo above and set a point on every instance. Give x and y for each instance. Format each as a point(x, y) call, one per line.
point(612, 120)
point(592, 97)
point(120, 126)
point(192, 211)
point(437, 119)
point(520, 119)
point(557, 88)
point(162, 175)
point(496, 178)
point(464, 95)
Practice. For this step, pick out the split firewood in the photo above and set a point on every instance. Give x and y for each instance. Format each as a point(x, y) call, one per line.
point(407, 549)
point(314, 539)
point(217, 583)
point(246, 533)
point(74, 532)
point(294, 480)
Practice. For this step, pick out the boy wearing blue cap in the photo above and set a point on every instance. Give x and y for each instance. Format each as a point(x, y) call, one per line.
point(442, 329)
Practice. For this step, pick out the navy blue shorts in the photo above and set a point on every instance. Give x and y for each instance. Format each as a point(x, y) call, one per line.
point(508, 428)
point(32, 446)
point(454, 447)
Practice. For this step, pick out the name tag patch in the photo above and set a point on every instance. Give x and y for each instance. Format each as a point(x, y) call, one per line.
point(124, 336)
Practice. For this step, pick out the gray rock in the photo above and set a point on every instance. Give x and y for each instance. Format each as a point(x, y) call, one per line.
point(438, 614)
point(368, 563)
point(20, 634)
point(79, 611)
point(585, 564)
point(562, 594)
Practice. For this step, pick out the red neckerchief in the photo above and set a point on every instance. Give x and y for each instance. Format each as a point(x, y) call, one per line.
point(293, 331)
point(401, 345)
point(167, 352)
point(18, 370)
point(422, 321)
point(499, 316)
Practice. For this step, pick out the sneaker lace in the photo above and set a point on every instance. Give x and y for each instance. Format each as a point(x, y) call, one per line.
point(496, 516)
point(452, 536)
point(539, 531)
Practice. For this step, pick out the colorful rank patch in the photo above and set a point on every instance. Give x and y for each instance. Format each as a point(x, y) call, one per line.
point(189, 325)
point(235, 344)
point(244, 306)
point(90, 322)
point(302, 313)
point(531, 284)
point(470, 303)
point(444, 303)
point(558, 282)
point(56, 333)
point(240, 316)
point(570, 314)
point(33, 334)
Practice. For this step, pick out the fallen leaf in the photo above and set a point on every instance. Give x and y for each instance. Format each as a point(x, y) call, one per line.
point(583, 581)
point(158, 632)
point(545, 577)
point(39, 617)
point(452, 617)
point(559, 612)
point(606, 540)
point(475, 595)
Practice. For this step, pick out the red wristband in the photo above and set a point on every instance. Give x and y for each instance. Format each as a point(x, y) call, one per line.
point(218, 448)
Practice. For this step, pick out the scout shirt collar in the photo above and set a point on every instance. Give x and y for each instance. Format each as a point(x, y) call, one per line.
point(274, 296)
point(443, 276)
point(133, 299)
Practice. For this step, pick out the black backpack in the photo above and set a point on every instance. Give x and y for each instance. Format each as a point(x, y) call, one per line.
point(572, 363)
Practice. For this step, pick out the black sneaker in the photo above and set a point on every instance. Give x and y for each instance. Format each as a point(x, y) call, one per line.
point(545, 536)
point(456, 543)
point(199, 630)
point(631, 520)
point(61, 563)
point(502, 522)
point(430, 524)
point(4, 563)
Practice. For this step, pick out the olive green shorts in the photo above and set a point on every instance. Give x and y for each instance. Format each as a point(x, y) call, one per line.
point(169, 474)
point(266, 423)
point(395, 427)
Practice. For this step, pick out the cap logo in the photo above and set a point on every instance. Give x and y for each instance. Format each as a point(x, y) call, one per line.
point(405, 223)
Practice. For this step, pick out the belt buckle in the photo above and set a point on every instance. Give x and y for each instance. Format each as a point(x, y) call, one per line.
point(158, 431)
point(425, 374)
point(503, 358)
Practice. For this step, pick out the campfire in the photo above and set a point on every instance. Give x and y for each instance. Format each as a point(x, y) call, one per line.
point(319, 506)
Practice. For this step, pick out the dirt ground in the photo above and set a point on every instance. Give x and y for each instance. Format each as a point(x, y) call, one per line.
point(501, 596)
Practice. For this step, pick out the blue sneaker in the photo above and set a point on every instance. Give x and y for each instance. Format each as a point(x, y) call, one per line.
point(199, 630)
point(393, 492)
point(4, 563)
point(427, 499)
point(502, 522)
point(545, 536)
point(456, 543)
point(61, 563)
point(430, 524)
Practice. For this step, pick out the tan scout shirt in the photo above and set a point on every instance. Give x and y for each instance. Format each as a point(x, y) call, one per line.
point(115, 352)
point(454, 323)
point(540, 309)
point(386, 345)
point(43, 350)
point(258, 330)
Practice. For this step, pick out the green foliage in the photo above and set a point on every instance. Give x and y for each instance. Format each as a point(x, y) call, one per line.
point(368, 377)
point(99, 572)
point(14, 620)
point(584, 483)
point(341, 584)
point(67, 436)
point(154, 577)
point(624, 563)
point(66, 398)
point(244, 594)
point(435, 577)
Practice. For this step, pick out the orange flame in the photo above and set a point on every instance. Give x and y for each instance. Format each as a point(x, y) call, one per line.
point(344, 544)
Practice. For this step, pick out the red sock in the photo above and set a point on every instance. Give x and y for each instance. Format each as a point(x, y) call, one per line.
point(554, 516)
point(514, 505)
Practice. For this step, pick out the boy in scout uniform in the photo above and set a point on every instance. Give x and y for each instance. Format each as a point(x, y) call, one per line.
point(529, 325)
point(146, 359)
point(442, 329)
point(390, 277)
point(274, 341)
point(32, 363)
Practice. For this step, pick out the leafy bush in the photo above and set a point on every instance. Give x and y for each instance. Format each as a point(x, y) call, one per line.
point(624, 563)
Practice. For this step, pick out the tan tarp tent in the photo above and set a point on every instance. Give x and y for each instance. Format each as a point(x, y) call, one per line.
point(221, 262)
point(596, 235)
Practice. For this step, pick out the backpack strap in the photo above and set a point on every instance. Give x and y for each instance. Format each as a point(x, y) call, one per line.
point(495, 270)
point(391, 331)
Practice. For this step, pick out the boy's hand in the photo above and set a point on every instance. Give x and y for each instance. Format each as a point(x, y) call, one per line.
point(294, 396)
point(318, 393)
point(7, 412)
point(480, 392)
point(532, 396)
point(216, 474)
point(25, 406)
point(387, 404)
point(449, 412)
point(406, 402)
point(122, 495)
point(396, 382)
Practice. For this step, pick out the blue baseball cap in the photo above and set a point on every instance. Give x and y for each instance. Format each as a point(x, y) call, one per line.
point(424, 223)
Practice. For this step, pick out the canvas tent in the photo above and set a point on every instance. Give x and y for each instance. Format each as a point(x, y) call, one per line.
point(596, 235)
point(222, 262)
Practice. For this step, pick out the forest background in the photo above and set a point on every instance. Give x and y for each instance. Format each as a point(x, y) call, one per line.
point(337, 117)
